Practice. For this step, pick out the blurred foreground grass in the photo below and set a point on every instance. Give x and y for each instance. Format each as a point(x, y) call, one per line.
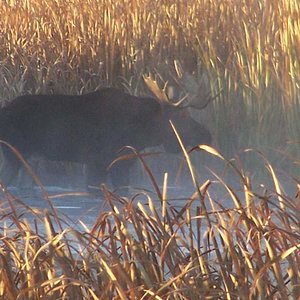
point(144, 247)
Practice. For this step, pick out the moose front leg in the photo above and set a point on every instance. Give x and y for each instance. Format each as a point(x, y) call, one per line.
point(120, 175)
point(96, 175)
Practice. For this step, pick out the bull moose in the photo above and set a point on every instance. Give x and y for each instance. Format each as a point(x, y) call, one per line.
point(90, 129)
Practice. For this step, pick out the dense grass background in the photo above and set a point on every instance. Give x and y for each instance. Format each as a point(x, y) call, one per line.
point(248, 49)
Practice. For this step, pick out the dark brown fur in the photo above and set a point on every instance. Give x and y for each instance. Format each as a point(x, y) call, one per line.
point(91, 129)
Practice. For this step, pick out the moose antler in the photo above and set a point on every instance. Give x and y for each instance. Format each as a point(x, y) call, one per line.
point(155, 89)
point(161, 94)
point(193, 89)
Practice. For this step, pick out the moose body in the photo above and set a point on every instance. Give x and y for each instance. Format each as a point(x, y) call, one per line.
point(90, 129)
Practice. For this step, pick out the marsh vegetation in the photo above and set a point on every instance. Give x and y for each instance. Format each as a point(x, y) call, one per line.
point(142, 246)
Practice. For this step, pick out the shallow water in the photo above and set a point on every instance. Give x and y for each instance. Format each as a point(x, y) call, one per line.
point(76, 205)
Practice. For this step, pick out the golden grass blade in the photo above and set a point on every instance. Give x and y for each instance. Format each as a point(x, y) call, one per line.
point(151, 293)
point(114, 280)
point(8, 287)
point(277, 187)
point(274, 260)
point(209, 150)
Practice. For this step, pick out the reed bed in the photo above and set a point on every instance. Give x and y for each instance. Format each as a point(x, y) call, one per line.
point(140, 248)
point(255, 43)
point(249, 49)
point(144, 247)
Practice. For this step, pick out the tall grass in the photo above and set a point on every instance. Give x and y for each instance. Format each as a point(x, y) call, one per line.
point(243, 245)
point(250, 48)
point(253, 42)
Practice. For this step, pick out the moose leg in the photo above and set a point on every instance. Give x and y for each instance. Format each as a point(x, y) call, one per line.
point(96, 175)
point(120, 175)
point(9, 167)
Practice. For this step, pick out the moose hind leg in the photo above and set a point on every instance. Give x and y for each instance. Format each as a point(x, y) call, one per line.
point(120, 175)
point(9, 167)
point(96, 175)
